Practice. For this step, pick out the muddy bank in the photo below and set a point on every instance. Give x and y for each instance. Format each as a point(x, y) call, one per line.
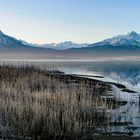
point(118, 85)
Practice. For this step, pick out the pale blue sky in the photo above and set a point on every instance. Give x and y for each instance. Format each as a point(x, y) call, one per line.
point(46, 21)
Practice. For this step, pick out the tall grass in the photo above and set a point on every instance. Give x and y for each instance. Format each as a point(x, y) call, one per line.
point(47, 105)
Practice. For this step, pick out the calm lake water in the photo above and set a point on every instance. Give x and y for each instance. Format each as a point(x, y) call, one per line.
point(127, 73)
point(125, 120)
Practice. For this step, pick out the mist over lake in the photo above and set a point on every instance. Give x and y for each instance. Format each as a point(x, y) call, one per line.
point(125, 72)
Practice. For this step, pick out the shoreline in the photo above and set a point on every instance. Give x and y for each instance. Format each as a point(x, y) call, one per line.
point(118, 85)
point(62, 100)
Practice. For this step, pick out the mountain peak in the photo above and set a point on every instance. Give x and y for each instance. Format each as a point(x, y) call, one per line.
point(131, 39)
point(133, 33)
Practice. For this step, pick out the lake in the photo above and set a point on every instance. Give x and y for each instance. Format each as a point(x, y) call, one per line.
point(125, 120)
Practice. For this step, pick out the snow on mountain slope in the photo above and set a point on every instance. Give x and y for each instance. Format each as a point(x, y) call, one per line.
point(2, 38)
point(7, 41)
point(59, 46)
point(131, 38)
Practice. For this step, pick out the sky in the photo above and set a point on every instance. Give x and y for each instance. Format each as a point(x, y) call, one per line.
point(81, 21)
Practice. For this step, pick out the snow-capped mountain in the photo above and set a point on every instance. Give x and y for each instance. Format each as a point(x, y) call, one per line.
point(7, 41)
point(58, 46)
point(131, 39)
point(122, 46)
point(121, 42)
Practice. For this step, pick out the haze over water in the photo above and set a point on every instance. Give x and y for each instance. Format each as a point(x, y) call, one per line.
point(125, 72)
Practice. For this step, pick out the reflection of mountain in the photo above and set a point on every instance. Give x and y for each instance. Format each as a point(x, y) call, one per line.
point(124, 72)
point(127, 73)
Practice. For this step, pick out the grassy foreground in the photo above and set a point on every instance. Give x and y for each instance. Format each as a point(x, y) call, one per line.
point(39, 104)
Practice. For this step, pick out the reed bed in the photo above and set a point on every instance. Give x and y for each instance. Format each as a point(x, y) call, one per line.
point(41, 104)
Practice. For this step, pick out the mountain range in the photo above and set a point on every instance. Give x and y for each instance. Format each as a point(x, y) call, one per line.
point(120, 46)
point(131, 39)
point(58, 46)
point(7, 41)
